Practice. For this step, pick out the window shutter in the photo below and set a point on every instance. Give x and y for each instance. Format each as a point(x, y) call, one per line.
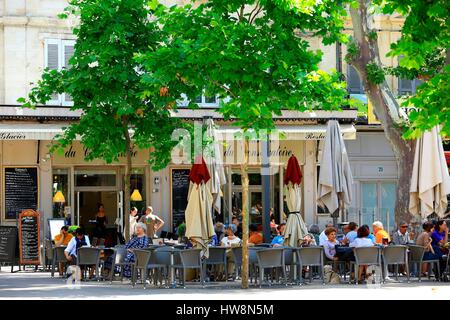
point(67, 52)
point(353, 82)
point(52, 62)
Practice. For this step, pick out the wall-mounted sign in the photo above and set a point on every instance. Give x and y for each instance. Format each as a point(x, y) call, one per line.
point(76, 154)
point(21, 190)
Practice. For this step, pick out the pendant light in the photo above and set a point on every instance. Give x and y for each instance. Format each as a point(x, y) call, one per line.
point(136, 195)
point(59, 197)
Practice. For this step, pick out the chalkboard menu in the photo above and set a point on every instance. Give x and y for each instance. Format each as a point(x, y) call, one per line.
point(180, 189)
point(8, 244)
point(29, 237)
point(21, 190)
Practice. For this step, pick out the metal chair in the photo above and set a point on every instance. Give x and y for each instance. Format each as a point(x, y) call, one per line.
point(237, 256)
point(118, 260)
point(416, 254)
point(369, 256)
point(290, 261)
point(312, 257)
point(48, 249)
point(164, 260)
point(252, 262)
point(270, 258)
point(58, 257)
point(89, 257)
point(217, 256)
point(395, 255)
point(190, 259)
point(141, 258)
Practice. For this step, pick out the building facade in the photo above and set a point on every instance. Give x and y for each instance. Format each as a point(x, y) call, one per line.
point(33, 38)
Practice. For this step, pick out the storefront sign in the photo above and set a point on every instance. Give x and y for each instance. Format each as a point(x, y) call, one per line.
point(76, 153)
point(12, 136)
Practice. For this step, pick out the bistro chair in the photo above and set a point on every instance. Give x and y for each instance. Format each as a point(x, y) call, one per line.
point(118, 260)
point(217, 257)
point(416, 254)
point(395, 255)
point(48, 254)
point(310, 257)
point(369, 256)
point(163, 261)
point(89, 257)
point(252, 262)
point(141, 258)
point(58, 257)
point(270, 258)
point(237, 256)
point(190, 259)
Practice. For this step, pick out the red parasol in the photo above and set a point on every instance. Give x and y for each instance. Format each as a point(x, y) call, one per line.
point(199, 171)
point(293, 173)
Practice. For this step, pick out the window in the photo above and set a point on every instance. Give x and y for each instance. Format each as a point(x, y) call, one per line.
point(95, 178)
point(60, 192)
point(354, 85)
point(57, 55)
point(378, 203)
point(202, 101)
point(406, 87)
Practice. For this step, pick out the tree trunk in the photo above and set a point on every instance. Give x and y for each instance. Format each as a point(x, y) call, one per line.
point(127, 176)
point(245, 205)
point(385, 107)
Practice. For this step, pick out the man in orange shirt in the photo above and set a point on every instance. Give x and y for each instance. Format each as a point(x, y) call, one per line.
point(255, 236)
point(62, 239)
point(379, 232)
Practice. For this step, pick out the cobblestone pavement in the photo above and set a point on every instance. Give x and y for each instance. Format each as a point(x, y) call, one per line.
point(40, 285)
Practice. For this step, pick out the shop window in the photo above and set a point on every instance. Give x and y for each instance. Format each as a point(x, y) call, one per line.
point(354, 84)
point(57, 55)
point(61, 193)
point(95, 178)
point(406, 86)
point(138, 189)
point(254, 179)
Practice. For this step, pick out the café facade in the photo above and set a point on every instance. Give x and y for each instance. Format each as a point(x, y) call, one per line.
point(64, 185)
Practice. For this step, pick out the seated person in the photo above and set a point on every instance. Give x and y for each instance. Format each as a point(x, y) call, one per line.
point(230, 239)
point(379, 232)
point(362, 240)
point(402, 236)
point(424, 240)
point(352, 233)
point(279, 239)
point(80, 240)
point(329, 247)
point(255, 236)
point(140, 241)
point(62, 239)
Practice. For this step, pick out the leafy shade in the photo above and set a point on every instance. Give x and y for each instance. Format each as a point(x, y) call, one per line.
point(251, 54)
point(424, 44)
point(104, 82)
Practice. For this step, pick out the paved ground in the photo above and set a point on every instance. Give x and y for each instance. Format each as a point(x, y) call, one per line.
point(39, 285)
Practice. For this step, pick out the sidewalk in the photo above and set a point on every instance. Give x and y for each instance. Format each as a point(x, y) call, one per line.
point(39, 285)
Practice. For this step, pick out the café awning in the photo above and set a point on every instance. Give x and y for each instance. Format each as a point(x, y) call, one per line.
point(29, 131)
point(293, 132)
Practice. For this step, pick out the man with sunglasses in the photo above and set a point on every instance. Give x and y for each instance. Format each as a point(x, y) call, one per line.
point(402, 236)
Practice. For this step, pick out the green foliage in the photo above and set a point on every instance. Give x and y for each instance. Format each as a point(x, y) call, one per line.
point(375, 73)
point(372, 35)
point(425, 38)
point(431, 106)
point(352, 51)
point(250, 53)
point(104, 81)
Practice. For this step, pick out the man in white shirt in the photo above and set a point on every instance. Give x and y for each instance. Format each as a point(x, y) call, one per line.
point(323, 237)
point(80, 240)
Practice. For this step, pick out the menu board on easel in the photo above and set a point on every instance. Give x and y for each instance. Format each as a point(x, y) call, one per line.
point(8, 244)
point(179, 194)
point(29, 237)
point(21, 190)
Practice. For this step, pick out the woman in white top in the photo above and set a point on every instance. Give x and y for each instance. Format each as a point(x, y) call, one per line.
point(230, 238)
point(362, 241)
